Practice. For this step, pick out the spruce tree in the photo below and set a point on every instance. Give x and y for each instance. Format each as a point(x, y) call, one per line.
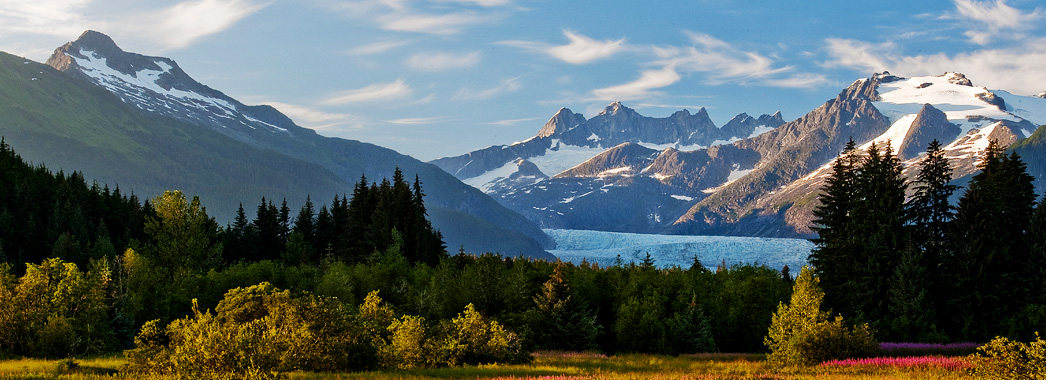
point(836, 246)
point(880, 225)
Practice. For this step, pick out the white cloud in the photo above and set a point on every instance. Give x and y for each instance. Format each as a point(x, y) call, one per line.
point(379, 91)
point(183, 23)
point(310, 117)
point(582, 49)
point(718, 62)
point(47, 17)
point(1018, 69)
point(507, 85)
point(639, 88)
point(442, 61)
point(513, 122)
point(445, 24)
point(418, 120)
point(482, 3)
point(377, 47)
point(993, 18)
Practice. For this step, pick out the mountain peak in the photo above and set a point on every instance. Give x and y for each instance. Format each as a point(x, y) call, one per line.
point(562, 121)
point(1042, 95)
point(97, 41)
point(615, 108)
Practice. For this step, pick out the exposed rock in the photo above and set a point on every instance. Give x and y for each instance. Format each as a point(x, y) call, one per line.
point(561, 122)
point(930, 124)
point(958, 78)
point(990, 98)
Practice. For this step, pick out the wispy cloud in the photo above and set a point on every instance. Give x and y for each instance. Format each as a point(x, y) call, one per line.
point(580, 50)
point(513, 122)
point(419, 120)
point(449, 23)
point(991, 18)
point(640, 88)
point(311, 117)
point(1017, 69)
point(717, 61)
point(379, 91)
point(377, 47)
point(507, 85)
point(48, 17)
point(183, 23)
point(442, 61)
point(482, 3)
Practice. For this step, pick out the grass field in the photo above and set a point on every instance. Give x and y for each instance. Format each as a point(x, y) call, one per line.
point(561, 366)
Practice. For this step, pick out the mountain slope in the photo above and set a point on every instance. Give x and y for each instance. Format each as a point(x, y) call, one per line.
point(150, 127)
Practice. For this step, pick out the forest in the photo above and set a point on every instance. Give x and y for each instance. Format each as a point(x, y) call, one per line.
point(365, 282)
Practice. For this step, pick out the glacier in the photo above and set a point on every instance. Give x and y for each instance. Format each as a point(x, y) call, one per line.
point(667, 251)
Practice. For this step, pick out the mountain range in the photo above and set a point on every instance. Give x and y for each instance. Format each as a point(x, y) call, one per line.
point(620, 171)
point(141, 123)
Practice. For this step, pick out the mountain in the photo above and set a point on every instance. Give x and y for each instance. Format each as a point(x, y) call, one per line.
point(618, 171)
point(752, 177)
point(143, 124)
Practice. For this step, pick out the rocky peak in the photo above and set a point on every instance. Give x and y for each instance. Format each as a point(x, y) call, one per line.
point(1042, 95)
point(562, 121)
point(616, 108)
point(930, 124)
point(885, 77)
point(958, 78)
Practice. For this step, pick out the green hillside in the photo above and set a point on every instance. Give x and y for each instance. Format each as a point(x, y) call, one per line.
point(68, 124)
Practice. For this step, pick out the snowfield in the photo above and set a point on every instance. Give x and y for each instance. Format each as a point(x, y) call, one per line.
point(678, 250)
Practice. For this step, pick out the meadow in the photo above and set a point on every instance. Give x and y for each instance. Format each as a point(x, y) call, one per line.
point(567, 366)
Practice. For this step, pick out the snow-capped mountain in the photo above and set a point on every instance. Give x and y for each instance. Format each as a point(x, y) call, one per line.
point(948, 108)
point(756, 177)
point(157, 86)
point(603, 172)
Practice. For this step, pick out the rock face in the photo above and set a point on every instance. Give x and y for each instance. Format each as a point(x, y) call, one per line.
point(930, 124)
point(157, 86)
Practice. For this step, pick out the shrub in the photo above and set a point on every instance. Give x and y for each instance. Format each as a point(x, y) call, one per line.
point(1005, 359)
point(257, 332)
point(801, 334)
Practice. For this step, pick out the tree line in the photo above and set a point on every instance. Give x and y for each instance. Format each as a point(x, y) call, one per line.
point(901, 256)
point(174, 263)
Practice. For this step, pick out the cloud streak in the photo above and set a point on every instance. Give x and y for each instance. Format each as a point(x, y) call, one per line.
point(507, 85)
point(582, 49)
point(442, 61)
point(993, 18)
point(182, 24)
point(717, 61)
point(375, 92)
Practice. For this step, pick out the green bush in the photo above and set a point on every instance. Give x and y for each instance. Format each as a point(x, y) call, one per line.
point(1004, 359)
point(256, 332)
point(801, 334)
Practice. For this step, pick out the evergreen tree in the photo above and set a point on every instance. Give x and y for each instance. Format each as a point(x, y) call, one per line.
point(880, 225)
point(834, 257)
point(988, 264)
point(560, 321)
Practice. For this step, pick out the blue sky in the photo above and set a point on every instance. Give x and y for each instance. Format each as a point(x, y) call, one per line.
point(444, 77)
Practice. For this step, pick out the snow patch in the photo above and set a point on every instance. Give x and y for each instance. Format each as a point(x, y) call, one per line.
point(682, 197)
point(485, 182)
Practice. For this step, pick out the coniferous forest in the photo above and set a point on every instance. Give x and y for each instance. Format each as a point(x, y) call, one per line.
point(365, 282)
point(917, 266)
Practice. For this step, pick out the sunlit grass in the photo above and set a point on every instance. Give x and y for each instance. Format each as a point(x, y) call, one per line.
point(560, 366)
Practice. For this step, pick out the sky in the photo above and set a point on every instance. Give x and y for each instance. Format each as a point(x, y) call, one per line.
point(438, 78)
